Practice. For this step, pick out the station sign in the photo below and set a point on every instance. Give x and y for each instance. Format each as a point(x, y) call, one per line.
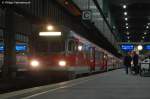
point(127, 47)
point(87, 15)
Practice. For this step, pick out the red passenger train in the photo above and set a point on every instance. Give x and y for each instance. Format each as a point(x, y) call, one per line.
point(68, 53)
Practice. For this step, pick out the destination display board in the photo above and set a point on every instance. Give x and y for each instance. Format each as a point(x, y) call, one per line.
point(147, 47)
point(127, 47)
point(19, 47)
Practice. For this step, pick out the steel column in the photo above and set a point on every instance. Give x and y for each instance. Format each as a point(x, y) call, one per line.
point(9, 67)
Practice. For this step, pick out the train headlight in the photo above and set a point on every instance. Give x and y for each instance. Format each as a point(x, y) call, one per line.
point(34, 63)
point(62, 63)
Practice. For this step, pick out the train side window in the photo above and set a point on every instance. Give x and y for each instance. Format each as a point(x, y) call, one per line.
point(97, 54)
point(92, 52)
point(71, 46)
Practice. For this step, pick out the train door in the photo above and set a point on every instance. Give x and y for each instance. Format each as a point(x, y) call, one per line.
point(100, 59)
point(72, 51)
point(105, 60)
point(92, 58)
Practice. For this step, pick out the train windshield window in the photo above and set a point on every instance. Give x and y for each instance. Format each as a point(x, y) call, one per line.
point(50, 47)
point(56, 47)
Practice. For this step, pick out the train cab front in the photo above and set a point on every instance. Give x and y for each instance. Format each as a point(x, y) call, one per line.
point(49, 55)
point(48, 62)
point(54, 53)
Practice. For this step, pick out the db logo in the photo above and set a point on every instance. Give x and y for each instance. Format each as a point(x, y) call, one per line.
point(86, 15)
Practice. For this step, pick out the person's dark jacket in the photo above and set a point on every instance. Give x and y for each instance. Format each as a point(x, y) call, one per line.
point(127, 61)
point(135, 59)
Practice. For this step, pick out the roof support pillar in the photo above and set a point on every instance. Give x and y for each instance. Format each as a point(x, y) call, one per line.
point(9, 67)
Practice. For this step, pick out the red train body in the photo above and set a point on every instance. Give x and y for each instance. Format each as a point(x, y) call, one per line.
point(70, 53)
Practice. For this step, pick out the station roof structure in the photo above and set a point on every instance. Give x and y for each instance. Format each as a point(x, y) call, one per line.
point(132, 18)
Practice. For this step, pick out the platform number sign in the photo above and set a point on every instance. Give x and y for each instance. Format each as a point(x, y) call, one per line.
point(86, 15)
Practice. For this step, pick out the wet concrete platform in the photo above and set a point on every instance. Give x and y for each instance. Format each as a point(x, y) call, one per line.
point(109, 85)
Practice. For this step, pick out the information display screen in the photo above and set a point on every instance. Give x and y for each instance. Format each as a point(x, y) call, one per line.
point(19, 47)
point(127, 47)
point(1, 48)
point(147, 47)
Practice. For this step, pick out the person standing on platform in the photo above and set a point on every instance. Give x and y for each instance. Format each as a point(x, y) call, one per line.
point(135, 62)
point(127, 62)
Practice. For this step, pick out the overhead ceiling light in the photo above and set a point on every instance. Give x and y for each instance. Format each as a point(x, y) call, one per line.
point(126, 19)
point(147, 27)
point(148, 23)
point(125, 13)
point(114, 27)
point(66, 2)
point(127, 24)
point(50, 27)
point(128, 37)
point(145, 33)
point(127, 27)
point(139, 47)
point(143, 37)
point(128, 33)
point(124, 6)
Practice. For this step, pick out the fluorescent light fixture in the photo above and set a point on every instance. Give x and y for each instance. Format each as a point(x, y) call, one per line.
point(125, 13)
point(50, 34)
point(147, 27)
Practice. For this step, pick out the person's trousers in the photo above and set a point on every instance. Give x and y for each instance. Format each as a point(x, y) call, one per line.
point(136, 68)
point(127, 69)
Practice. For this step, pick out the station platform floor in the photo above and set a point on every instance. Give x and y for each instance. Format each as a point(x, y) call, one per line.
point(109, 85)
